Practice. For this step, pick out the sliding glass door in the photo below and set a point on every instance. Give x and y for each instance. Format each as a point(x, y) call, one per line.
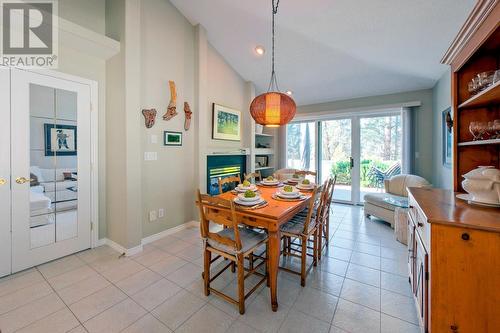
point(301, 146)
point(380, 151)
point(360, 150)
point(336, 156)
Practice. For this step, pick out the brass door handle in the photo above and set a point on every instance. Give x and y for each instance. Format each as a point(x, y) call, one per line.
point(3, 181)
point(23, 180)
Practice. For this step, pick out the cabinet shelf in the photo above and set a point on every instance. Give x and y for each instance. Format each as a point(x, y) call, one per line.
point(479, 142)
point(264, 151)
point(487, 97)
point(264, 168)
point(265, 135)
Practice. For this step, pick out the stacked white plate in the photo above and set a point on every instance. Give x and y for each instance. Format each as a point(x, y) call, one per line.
point(301, 186)
point(270, 183)
point(288, 195)
point(242, 200)
point(242, 189)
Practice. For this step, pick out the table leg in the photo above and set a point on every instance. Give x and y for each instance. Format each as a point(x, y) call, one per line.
point(274, 257)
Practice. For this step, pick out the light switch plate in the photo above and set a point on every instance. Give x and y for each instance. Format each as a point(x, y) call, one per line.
point(161, 213)
point(150, 156)
point(154, 138)
point(153, 216)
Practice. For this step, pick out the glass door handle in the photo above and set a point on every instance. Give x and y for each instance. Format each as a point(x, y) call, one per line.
point(23, 180)
point(352, 162)
point(3, 181)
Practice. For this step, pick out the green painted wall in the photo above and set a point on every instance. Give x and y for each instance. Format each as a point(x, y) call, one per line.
point(441, 100)
point(422, 122)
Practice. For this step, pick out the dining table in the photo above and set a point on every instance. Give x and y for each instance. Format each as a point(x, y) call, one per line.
point(269, 217)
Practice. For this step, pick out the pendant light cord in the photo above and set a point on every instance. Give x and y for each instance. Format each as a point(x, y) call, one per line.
point(274, 81)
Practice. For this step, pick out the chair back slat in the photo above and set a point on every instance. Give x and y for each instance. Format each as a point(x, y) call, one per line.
point(232, 179)
point(210, 211)
point(253, 175)
point(314, 203)
point(306, 173)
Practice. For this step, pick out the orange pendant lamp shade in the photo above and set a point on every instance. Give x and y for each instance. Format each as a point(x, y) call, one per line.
point(273, 109)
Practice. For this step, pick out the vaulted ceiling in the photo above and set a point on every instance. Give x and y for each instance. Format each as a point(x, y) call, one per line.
point(334, 49)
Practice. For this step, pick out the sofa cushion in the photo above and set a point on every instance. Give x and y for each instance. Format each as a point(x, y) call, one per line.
point(398, 184)
point(377, 199)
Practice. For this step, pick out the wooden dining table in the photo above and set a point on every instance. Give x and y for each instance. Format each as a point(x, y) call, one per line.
point(270, 218)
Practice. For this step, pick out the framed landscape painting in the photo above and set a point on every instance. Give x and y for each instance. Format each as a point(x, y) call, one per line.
point(226, 124)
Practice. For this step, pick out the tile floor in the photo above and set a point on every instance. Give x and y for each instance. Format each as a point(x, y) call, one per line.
point(359, 286)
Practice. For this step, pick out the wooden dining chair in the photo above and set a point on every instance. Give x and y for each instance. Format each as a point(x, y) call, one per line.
point(303, 227)
point(228, 180)
point(234, 243)
point(324, 229)
point(253, 175)
point(284, 174)
point(306, 173)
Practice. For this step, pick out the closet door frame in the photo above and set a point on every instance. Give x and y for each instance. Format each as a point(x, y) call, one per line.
point(90, 154)
point(5, 175)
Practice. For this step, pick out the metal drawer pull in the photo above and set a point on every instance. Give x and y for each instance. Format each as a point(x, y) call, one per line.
point(465, 236)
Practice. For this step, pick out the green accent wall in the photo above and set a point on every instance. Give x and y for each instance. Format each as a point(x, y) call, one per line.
point(441, 100)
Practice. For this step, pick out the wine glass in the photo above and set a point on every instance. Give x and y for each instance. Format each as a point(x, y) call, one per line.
point(473, 129)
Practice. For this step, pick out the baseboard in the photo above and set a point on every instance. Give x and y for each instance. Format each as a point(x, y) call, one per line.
point(164, 233)
point(145, 240)
point(119, 248)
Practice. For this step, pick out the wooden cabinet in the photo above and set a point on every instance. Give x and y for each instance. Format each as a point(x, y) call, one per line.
point(476, 49)
point(454, 262)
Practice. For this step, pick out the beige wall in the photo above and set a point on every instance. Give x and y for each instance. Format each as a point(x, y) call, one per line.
point(87, 13)
point(167, 44)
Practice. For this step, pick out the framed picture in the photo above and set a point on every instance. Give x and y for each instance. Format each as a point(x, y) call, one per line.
point(60, 140)
point(261, 161)
point(226, 123)
point(172, 138)
point(447, 130)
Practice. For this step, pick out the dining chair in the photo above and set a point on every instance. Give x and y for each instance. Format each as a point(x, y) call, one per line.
point(234, 243)
point(324, 229)
point(302, 227)
point(253, 175)
point(228, 180)
point(284, 174)
point(306, 173)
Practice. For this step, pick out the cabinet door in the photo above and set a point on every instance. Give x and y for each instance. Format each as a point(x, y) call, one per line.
point(411, 253)
point(421, 281)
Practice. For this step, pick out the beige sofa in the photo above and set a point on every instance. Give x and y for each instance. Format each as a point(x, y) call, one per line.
point(375, 204)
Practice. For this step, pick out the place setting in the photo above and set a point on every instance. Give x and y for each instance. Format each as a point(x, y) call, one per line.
point(250, 200)
point(245, 186)
point(288, 193)
point(305, 185)
point(270, 182)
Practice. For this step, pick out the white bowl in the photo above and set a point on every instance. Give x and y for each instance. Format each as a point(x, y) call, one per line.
point(241, 188)
point(242, 197)
point(305, 187)
point(267, 182)
point(294, 194)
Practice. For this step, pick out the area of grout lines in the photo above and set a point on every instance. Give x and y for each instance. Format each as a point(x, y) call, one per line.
point(348, 229)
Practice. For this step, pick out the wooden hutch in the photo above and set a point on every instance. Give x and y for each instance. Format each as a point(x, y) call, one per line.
point(454, 247)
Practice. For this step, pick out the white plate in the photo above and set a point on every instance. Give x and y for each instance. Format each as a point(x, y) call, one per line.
point(241, 197)
point(292, 181)
point(305, 187)
point(248, 203)
point(289, 195)
point(266, 182)
point(465, 196)
point(240, 188)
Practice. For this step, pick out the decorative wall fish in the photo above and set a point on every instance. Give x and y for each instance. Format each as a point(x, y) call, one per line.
point(188, 113)
point(172, 106)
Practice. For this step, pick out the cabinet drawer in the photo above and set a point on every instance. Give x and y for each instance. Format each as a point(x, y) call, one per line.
point(422, 227)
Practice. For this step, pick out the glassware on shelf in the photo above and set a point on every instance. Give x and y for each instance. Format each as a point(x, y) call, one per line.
point(496, 129)
point(482, 81)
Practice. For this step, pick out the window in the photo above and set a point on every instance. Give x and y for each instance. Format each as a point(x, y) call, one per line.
point(301, 146)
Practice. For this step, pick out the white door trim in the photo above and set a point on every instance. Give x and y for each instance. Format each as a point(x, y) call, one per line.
point(94, 121)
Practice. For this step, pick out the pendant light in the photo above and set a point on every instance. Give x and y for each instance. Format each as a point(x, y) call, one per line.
point(273, 108)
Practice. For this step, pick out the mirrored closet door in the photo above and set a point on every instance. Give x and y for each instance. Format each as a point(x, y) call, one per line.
point(50, 168)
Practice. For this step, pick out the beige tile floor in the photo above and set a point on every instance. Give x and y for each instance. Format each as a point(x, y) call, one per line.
point(359, 286)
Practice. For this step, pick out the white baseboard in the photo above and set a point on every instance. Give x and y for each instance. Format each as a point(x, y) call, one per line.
point(146, 240)
point(168, 232)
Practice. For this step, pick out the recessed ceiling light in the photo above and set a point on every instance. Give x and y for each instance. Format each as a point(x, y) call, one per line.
point(260, 50)
point(289, 92)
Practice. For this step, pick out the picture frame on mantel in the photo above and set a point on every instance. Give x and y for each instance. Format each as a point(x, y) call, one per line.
point(447, 131)
point(226, 123)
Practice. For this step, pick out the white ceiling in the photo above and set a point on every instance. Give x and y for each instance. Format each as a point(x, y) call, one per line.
point(334, 49)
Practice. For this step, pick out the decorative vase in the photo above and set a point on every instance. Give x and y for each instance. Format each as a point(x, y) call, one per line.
point(259, 128)
point(483, 185)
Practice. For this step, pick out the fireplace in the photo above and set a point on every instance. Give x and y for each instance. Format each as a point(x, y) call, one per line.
point(223, 166)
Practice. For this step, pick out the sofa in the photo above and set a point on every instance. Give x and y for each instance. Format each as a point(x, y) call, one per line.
point(376, 204)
